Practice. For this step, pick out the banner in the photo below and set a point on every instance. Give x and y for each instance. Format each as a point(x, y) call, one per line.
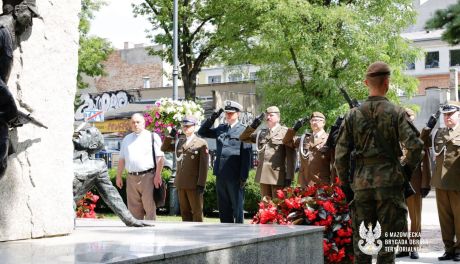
point(112, 126)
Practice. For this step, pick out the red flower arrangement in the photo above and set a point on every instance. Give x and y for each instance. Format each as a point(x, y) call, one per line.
point(86, 205)
point(320, 205)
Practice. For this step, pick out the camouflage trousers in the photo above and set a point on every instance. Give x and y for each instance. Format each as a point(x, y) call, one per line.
point(388, 207)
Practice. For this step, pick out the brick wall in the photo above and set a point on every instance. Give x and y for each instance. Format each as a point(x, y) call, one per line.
point(126, 69)
point(438, 80)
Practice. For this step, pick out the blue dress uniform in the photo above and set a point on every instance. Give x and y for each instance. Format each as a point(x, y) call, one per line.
point(231, 167)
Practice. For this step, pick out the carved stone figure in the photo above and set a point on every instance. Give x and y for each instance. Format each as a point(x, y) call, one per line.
point(90, 172)
point(14, 21)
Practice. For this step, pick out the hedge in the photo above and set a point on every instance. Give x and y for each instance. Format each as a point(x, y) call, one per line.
point(251, 199)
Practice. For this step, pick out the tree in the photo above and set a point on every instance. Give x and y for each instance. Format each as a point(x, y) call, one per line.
point(306, 49)
point(449, 19)
point(93, 50)
point(204, 26)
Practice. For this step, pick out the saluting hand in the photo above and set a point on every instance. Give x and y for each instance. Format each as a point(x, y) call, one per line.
point(216, 114)
point(433, 120)
point(257, 121)
point(300, 123)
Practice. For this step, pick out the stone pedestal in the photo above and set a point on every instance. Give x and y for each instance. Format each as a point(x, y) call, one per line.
point(36, 192)
point(105, 241)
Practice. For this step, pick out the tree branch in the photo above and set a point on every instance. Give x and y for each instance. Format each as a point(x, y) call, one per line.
point(303, 85)
point(162, 23)
point(200, 26)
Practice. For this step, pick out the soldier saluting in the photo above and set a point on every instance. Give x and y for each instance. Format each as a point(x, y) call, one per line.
point(316, 159)
point(446, 179)
point(192, 169)
point(276, 160)
point(232, 163)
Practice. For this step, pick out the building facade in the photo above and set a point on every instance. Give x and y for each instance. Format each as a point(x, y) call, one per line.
point(433, 68)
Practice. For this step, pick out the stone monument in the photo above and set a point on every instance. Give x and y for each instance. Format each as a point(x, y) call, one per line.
point(36, 191)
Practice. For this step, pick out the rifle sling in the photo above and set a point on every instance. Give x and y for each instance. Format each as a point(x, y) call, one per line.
point(379, 139)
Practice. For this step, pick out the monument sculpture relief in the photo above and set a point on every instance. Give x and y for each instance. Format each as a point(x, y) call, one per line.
point(90, 172)
point(15, 20)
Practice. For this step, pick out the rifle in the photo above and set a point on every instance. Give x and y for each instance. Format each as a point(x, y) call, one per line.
point(23, 118)
point(352, 103)
point(332, 138)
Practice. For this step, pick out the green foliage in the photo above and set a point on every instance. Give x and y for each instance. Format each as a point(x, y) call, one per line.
point(204, 26)
point(93, 50)
point(449, 19)
point(306, 49)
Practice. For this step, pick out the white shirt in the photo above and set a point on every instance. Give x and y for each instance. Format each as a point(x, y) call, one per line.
point(136, 150)
point(234, 124)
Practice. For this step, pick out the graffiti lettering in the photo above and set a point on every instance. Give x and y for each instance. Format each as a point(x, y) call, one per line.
point(104, 102)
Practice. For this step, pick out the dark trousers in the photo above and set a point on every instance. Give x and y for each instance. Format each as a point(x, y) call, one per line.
point(230, 199)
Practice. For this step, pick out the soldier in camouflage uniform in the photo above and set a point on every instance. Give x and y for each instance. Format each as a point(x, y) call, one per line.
point(377, 180)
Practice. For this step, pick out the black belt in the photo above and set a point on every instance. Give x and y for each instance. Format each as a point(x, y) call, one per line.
point(140, 172)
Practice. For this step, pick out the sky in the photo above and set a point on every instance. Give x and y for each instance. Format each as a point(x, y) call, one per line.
point(116, 22)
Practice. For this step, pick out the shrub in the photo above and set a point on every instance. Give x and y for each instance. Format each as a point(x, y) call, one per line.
point(86, 206)
point(251, 198)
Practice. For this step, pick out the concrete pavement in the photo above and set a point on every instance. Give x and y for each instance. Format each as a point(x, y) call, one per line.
point(431, 244)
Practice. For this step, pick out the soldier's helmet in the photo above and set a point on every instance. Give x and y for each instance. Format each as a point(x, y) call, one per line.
point(89, 139)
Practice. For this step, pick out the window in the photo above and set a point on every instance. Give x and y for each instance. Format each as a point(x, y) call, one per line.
point(235, 77)
point(252, 76)
point(410, 65)
point(432, 60)
point(214, 79)
point(455, 57)
point(146, 82)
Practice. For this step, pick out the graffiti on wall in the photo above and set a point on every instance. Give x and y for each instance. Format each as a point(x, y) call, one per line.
point(105, 102)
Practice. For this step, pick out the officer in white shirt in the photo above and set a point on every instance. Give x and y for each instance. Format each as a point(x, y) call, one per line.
point(136, 156)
